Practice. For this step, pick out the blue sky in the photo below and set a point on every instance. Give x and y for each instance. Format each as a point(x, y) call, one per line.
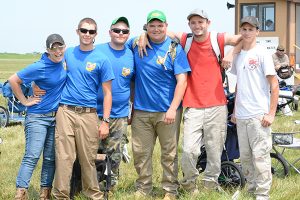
point(25, 24)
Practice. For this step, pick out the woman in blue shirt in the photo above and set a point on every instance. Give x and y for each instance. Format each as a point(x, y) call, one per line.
point(49, 74)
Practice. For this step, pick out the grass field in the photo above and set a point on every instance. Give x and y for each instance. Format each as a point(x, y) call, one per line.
point(12, 151)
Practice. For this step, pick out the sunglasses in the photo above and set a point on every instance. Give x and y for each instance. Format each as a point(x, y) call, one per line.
point(84, 31)
point(117, 30)
point(280, 50)
point(60, 48)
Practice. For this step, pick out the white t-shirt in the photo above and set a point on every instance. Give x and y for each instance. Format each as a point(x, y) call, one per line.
point(253, 88)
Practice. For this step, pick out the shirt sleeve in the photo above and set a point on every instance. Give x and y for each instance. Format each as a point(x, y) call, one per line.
point(268, 65)
point(31, 73)
point(107, 73)
point(181, 64)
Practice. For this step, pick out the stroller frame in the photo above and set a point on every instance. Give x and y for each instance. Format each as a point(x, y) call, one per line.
point(14, 111)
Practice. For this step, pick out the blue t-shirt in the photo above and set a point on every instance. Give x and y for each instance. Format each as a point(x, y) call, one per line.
point(49, 76)
point(87, 70)
point(154, 82)
point(123, 68)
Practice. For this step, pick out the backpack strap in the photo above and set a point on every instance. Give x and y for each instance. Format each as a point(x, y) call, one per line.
point(186, 42)
point(215, 44)
point(172, 49)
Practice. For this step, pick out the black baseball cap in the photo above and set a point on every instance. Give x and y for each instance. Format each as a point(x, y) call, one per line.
point(54, 38)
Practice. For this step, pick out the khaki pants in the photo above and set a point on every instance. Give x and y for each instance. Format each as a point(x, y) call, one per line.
point(255, 145)
point(146, 127)
point(203, 126)
point(76, 133)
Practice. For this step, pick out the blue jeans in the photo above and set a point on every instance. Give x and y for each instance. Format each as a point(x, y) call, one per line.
point(39, 135)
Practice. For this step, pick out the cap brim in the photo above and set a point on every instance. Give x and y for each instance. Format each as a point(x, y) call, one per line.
point(122, 19)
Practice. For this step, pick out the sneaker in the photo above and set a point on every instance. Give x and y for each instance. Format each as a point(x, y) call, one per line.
point(170, 196)
point(213, 186)
point(21, 194)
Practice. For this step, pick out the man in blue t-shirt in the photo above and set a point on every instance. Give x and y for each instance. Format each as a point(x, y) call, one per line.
point(77, 132)
point(122, 61)
point(160, 83)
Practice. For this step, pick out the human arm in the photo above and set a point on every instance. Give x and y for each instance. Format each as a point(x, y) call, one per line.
point(15, 83)
point(228, 58)
point(178, 96)
point(37, 91)
point(232, 117)
point(131, 102)
point(107, 103)
point(144, 41)
point(269, 117)
point(233, 40)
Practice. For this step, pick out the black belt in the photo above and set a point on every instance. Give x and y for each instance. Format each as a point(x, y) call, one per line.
point(79, 109)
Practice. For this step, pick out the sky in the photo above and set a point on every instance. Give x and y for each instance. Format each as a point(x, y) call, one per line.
point(25, 24)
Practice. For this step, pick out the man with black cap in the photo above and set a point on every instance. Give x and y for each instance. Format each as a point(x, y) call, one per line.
point(160, 80)
point(255, 108)
point(49, 74)
point(122, 61)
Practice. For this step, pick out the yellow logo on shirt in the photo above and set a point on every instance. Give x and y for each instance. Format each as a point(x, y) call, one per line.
point(125, 71)
point(90, 66)
point(160, 60)
point(65, 66)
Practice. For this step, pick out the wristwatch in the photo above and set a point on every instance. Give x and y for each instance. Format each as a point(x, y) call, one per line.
point(107, 120)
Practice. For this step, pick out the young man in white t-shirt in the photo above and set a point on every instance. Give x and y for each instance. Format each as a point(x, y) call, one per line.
point(255, 108)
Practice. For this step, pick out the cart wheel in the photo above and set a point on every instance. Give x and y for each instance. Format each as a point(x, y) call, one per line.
point(279, 167)
point(231, 175)
point(3, 117)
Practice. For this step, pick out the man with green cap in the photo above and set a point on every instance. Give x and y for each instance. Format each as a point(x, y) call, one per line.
point(121, 58)
point(160, 80)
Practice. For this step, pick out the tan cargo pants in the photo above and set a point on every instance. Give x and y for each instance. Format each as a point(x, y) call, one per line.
point(146, 127)
point(255, 144)
point(203, 126)
point(76, 134)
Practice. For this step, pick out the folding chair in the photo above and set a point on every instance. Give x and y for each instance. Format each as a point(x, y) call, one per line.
point(287, 141)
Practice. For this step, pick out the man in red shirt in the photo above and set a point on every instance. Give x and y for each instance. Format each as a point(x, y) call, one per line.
point(205, 116)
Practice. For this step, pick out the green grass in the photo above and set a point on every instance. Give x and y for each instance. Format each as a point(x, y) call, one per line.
point(12, 151)
point(11, 63)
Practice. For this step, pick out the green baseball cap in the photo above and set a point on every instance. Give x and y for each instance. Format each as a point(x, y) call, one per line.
point(156, 14)
point(120, 19)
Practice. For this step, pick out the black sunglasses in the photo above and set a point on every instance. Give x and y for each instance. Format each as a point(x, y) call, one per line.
point(117, 30)
point(280, 50)
point(84, 30)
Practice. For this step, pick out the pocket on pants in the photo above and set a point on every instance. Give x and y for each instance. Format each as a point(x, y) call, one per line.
point(93, 147)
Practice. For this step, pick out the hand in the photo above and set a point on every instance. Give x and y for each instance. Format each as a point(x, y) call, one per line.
point(170, 116)
point(267, 120)
point(233, 119)
point(143, 42)
point(30, 101)
point(227, 61)
point(103, 130)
